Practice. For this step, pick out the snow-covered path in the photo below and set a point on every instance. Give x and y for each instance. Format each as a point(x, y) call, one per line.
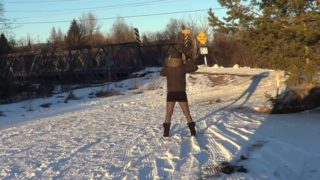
point(120, 138)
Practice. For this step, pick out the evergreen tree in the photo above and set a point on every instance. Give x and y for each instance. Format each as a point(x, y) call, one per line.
point(280, 34)
point(4, 45)
point(75, 37)
point(56, 39)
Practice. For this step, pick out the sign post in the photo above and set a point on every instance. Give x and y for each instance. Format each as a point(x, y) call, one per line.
point(204, 51)
point(186, 41)
point(139, 58)
point(279, 77)
point(136, 35)
point(202, 38)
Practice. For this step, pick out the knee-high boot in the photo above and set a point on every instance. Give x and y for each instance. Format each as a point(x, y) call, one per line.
point(166, 129)
point(192, 128)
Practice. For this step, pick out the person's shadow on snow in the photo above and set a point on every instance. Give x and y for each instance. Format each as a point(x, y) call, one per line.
point(225, 165)
point(256, 79)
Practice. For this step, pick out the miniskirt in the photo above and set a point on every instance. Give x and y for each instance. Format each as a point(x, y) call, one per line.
point(180, 96)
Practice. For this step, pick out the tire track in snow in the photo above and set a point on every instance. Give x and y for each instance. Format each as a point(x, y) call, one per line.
point(218, 155)
point(190, 153)
point(126, 155)
point(215, 153)
point(182, 163)
point(209, 153)
point(149, 166)
point(60, 162)
point(231, 134)
point(165, 165)
point(242, 137)
point(224, 139)
point(220, 141)
point(168, 157)
point(187, 166)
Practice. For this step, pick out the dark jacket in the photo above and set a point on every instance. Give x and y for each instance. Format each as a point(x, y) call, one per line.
point(176, 76)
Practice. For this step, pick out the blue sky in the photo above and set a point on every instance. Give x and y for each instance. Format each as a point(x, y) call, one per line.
point(28, 14)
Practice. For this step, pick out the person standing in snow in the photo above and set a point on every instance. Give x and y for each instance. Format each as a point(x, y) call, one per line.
point(175, 70)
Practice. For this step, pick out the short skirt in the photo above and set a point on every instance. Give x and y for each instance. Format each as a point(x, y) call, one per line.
point(180, 96)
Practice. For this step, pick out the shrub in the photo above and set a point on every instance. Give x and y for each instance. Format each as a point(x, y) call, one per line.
point(296, 100)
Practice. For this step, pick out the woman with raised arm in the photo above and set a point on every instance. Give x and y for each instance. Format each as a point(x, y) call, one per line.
point(176, 68)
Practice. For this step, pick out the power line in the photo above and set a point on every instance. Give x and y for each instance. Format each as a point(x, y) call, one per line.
point(109, 18)
point(35, 1)
point(28, 2)
point(59, 14)
point(93, 8)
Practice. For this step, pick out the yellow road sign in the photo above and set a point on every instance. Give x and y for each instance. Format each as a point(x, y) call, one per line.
point(202, 37)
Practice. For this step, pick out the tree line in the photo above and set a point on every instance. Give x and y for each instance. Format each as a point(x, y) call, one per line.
point(271, 34)
point(267, 34)
point(86, 31)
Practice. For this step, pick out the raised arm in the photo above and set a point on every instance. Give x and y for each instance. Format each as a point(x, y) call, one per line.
point(190, 66)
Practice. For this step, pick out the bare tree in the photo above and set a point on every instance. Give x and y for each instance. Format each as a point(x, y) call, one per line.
point(89, 23)
point(60, 36)
point(121, 31)
point(107, 38)
point(53, 35)
point(173, 29)
point(197, 25)
point(5, 26)
point(98, 39)
point(89, 26)
point(155, 36)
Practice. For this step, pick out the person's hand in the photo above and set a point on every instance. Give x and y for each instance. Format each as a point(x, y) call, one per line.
point(183, 57)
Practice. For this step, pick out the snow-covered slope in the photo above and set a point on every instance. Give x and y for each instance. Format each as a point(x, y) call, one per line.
point(119, 137)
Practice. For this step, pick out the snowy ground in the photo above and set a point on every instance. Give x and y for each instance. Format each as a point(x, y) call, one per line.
point(119, 137)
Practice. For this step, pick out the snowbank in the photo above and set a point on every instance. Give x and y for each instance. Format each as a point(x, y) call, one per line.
point(236, 71)
point(119, 137)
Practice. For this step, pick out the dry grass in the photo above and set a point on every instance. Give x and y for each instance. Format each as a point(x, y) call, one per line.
point(218, 80)
point(107, 93)
point(46, 105)
point(215, 101)
point(153, 86)
point(264, 109)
